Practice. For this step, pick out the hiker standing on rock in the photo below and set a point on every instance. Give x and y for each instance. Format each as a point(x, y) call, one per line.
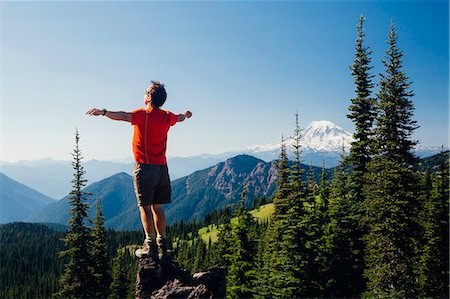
point(151, 176)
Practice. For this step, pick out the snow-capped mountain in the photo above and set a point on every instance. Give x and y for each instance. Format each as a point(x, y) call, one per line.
point(326, 136)
point(321, 141)
point(322, 136)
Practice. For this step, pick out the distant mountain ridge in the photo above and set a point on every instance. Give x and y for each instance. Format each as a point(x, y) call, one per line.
point(55, 176)
point(18, 201)
point(193, 196)
point(117, 198)
point(321, 141)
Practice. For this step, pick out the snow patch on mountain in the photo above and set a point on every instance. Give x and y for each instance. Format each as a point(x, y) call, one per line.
point(322, 136)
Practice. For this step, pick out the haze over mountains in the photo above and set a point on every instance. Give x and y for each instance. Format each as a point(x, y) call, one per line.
point(193, 196)
point(17, 201)
point(322, 142)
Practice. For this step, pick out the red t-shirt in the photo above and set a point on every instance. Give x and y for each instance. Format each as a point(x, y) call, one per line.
point(150, 134)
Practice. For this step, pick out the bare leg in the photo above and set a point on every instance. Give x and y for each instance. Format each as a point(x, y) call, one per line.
point(159, 219)
point(160, 225)
point(149, 228)
point(147, 220)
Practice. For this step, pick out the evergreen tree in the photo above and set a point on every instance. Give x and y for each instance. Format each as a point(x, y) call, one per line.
point(100, 254)
point(362, 113)
point(296, 171)
point(223, 245)
point(347, 234)
point(271, 274)
point(119, 284)
point(434, 272)
point(200, 254)
point(311, 185)
point(300, 271)
point(390, 203)
point(345, 273)
point(280, 200)
point(324, 191)
point(240, 274)
point(77, 280)
point(394, 121)
point(321, 221)
point(291, 268)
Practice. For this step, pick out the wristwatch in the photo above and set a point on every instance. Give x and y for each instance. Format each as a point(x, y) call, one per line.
point(104, 111)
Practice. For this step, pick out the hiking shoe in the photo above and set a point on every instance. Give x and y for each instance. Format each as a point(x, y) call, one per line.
point(146, 249)
point(162, 247)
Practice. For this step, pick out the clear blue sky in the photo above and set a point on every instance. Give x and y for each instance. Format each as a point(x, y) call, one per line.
point(242, 68)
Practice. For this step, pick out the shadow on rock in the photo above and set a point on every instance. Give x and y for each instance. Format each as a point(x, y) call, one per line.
point(164, 279)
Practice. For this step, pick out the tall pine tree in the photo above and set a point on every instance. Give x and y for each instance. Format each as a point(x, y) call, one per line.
point(391, 205)
point(362, 113)
point(77, 280)
point(434, 270)
point(240, 276)
point(394, 120)
point(120, 281)
point(346, 254)
point(271, 278)
point(100, 257)
point(299, 238)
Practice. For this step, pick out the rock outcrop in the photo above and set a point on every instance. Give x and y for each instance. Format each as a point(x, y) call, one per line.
point(164, 279)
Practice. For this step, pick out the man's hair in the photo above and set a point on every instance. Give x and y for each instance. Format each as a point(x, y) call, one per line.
point(158, 93)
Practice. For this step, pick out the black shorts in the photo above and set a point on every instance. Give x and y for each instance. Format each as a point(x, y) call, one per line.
point(151, 184)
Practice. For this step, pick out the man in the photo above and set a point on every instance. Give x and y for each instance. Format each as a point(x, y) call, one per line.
point(151, 177)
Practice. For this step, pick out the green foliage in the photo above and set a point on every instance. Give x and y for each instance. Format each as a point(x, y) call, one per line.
point(290, 267)
point(100, 255)
point(78, 280)
point(279, 202)
point(274, 255)
point(391, 229)
point(29, 266)
point(344, 247)
point(391, 205)
point(345, 233)
point(434, 262)
point(362, 109)
point(120, 283)
point(240, 275)
point(394, 121)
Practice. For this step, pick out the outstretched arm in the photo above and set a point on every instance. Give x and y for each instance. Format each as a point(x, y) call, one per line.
point(115, 115)
point(184, 115)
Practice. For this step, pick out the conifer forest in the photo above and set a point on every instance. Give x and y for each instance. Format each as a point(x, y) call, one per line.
point(378, 228)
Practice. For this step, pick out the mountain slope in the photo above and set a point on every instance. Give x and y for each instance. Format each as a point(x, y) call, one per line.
point(18, 201)
point(118, 202)
point(221, 185)
point(55, 176)
point(433, 162)
point(192, 196)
